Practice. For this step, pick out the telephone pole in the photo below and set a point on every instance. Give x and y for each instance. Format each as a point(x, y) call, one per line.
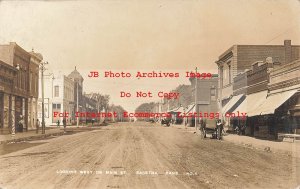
point(43, 68)
point(77, 121)
point(196, 98)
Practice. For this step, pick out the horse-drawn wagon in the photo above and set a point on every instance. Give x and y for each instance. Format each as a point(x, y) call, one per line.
point(211, 126)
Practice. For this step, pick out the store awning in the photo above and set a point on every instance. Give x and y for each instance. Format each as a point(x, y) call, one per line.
point(232, 103)
point(190, 108)
point(250, 104)
point(173, 110)
point(181, 109)
point(273, 102)
point(177, 109)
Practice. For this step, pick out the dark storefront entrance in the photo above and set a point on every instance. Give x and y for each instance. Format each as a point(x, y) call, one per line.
point(18, 112)
point(1, 110)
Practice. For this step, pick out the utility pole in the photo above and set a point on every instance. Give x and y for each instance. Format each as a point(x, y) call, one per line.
point(160, 109)
point(43, 68)
point(196, 98)
point(220, 92)
point(77, 121)
point(168, 105)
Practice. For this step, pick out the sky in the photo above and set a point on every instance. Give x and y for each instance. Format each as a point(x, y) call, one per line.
point(143, 35)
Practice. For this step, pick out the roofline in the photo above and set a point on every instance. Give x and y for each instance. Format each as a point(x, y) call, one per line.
point(8, 65)
point(231, 48)
point(226, 52)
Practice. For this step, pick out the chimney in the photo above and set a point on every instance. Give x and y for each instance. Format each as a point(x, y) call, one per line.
point(269, 61)
point(287, 51)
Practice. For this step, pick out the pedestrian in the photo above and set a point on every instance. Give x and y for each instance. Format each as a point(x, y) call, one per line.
point(219, 128)
point(58, 123)
point(65, 124)
point(20, 124)
point(286, 124)
point(37, 124)
point(202, 127)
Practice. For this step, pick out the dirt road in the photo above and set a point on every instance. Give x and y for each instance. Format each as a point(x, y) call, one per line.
point(143, 155)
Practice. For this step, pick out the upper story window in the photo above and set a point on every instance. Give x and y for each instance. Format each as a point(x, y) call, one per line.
point(56, 91)
point(221, 76)
point(213, 93)
point(225, 73)
point(229, 73)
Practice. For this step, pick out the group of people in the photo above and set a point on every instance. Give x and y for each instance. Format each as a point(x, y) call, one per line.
point(64, 123)
point(20, 125)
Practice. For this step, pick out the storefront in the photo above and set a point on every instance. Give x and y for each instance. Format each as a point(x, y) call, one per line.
point(1, 110)
point(249, 107)
point(7, 74)
point(276, 115)
point(230, 107)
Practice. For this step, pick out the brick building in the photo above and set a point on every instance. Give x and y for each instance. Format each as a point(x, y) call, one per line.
point(238, 58)
point(7, 75)
point(271, 99)
point(251, 87)
point(23, 101)
point(206, 101)
point(282, 105)
point(33, 92)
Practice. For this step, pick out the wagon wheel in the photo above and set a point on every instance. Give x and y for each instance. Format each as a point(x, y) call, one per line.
point(203, 133)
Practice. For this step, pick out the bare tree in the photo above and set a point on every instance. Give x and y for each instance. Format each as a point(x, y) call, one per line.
point(102, 102)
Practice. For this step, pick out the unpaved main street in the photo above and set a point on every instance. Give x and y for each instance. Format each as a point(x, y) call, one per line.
point(143, 155)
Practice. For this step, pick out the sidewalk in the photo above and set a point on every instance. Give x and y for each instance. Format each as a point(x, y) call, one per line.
point(286, 147)
point(31, 134)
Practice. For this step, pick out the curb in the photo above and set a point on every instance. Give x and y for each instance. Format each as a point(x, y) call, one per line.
point(31, 137)
point(263, 147)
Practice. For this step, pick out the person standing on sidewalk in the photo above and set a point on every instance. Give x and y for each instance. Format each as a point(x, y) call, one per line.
point(21, 124)
point(65, 124)
point(37, 125)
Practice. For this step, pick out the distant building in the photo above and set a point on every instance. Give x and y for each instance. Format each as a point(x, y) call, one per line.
point(76, 77)
point(58, 97)
point(185, 93)
point(207, 99)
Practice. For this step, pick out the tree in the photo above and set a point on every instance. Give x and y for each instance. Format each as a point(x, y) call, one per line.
point(145, 107)
point(120, 112)
point(102, 102)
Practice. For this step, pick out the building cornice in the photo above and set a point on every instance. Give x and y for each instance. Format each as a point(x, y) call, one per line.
point(295, 65)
